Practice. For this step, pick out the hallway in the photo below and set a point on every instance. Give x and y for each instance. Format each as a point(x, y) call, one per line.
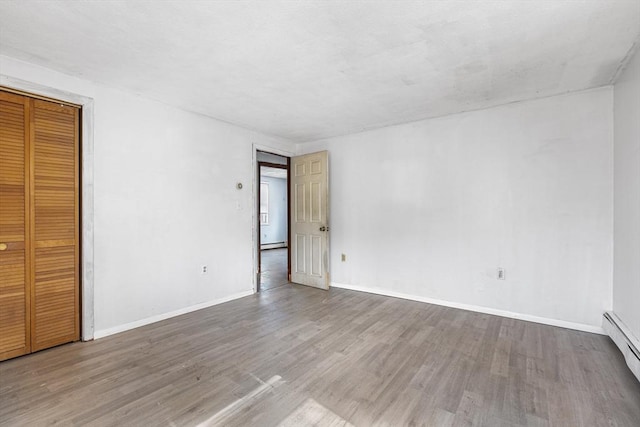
point(274, 268)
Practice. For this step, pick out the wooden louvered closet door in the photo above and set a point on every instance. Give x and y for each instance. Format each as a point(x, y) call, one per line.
point(54, 219)
point(38, 183)
point(14, 226)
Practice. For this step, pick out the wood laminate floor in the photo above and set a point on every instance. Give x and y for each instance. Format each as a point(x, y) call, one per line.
point(301, 356)
point(274, 268)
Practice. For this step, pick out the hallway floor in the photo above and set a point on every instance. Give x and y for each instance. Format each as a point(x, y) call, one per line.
point(274, 268)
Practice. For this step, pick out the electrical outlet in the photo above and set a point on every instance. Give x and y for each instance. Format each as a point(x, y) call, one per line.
point(204, 269)
point(344, 257)
point(501, 273)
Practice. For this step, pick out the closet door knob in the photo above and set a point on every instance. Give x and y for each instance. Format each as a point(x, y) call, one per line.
point(3, 246)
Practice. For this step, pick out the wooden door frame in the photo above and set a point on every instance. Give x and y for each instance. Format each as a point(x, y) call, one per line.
point(86, 165)
point(257, 238)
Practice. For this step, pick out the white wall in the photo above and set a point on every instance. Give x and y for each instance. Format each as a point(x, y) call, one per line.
point(165, 203)
point(276, 230)
point(430, 209)
point(626, 272)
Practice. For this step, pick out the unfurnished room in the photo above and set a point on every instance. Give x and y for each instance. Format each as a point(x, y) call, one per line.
point(320, 213)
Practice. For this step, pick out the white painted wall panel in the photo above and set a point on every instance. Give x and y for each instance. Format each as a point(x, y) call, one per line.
point(626, 272)
point(165, 203)
point(433, 208)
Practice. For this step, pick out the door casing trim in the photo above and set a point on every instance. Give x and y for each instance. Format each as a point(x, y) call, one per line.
point(87, 303)
point(256, 201)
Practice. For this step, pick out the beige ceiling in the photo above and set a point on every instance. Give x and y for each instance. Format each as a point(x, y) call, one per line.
point(305, 70)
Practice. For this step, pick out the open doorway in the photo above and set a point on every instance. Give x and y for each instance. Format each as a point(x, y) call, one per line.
point(273, 218)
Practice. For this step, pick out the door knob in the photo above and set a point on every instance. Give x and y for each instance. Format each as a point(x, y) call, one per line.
point(323, 228)
point(3, 246)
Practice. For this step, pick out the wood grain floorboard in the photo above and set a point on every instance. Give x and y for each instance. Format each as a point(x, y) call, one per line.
point(274, 269)
point(301, 356)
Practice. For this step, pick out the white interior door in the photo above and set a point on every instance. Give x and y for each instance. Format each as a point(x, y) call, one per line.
point(310, 220)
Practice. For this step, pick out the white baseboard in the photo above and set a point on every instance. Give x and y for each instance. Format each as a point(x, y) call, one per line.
point(486, 310)
point(142, 322)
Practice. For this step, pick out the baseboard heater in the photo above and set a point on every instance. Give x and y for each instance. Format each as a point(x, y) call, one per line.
point(273, 245)
point(624, 339)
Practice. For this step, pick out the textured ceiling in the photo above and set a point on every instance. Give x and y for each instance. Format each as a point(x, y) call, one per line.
point(305, 70)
